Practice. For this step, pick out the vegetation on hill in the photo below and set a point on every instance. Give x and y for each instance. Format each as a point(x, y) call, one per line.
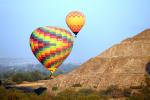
point(134, 93)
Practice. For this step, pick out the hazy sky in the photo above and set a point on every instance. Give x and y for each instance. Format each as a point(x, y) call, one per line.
point(107, 23)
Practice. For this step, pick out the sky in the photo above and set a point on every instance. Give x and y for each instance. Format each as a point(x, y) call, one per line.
point(107, 22)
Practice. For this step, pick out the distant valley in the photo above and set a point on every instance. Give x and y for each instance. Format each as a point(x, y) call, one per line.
point(28, 65)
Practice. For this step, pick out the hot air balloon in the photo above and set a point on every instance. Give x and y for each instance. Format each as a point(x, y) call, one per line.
point(75, 21)
point(51, 46)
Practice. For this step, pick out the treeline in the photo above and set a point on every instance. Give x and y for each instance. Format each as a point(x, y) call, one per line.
point(15, 77)
point(18, 77)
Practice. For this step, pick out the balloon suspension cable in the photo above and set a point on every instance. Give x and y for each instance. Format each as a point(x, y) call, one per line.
point(50, 75)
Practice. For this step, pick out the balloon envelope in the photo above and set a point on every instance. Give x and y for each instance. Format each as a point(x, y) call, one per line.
point(75, 21)
point(51, 46)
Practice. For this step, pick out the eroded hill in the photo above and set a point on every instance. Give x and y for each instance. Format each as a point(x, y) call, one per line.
point(123, 64)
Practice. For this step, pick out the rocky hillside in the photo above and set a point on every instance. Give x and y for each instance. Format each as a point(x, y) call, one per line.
point(123, 64)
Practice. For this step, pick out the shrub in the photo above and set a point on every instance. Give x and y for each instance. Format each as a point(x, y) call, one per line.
point(136, 87)
point(94, 86)
point(8, 82)
point(86, 91)
point(112, 91)
point(76, 85)
point(55, 88)
point(127, 92)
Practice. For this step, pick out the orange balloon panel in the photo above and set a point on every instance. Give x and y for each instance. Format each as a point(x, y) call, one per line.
point(75, 21)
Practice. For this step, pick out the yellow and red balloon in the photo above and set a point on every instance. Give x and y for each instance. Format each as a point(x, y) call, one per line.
point(75, 21)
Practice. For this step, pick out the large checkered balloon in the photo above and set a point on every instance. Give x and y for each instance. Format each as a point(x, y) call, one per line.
point(51, 46)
